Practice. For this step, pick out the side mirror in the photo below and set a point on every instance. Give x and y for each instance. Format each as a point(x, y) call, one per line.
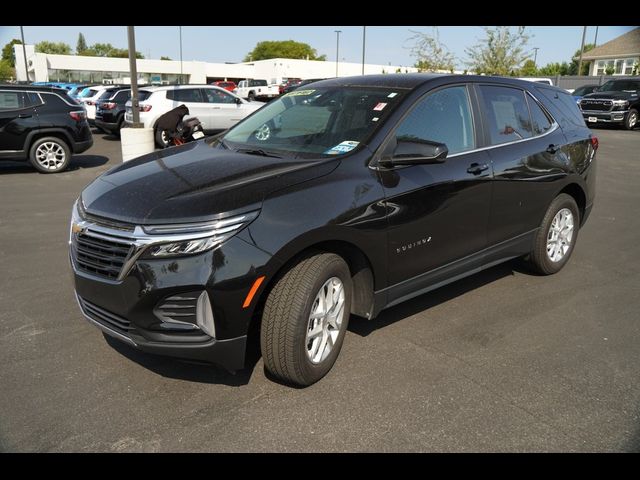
point(238, 100)
point(418, 152)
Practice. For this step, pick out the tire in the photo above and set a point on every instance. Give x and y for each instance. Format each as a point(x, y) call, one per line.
point(116, 132)
point(288, 353)
point(251, 97)
point(49, 155)
point(548, 255)
point(161, 139)
point(632, 119)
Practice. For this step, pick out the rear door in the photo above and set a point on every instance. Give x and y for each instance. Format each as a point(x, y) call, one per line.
point(529, 163)
point(17, 119)
point(223, 110)
point(193, 99)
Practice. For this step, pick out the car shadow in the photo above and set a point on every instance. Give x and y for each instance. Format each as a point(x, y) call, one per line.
point(8, 167)
point(187, 370)
point(86, 161)
point(363, 327)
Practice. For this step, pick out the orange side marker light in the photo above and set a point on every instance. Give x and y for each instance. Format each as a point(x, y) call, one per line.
point(252, 292)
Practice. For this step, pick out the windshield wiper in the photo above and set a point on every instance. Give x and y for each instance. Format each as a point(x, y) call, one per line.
point(257, 151)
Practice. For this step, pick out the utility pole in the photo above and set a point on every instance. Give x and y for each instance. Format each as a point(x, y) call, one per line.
point(595, 40)
point(535, 56)
point(584, 32)
point(364, 35)
point(180, 81)
point(24, 52)
point(338, 32)
point(135, 105)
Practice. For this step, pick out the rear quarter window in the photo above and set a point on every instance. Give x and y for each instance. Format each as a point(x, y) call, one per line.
point(562, 106)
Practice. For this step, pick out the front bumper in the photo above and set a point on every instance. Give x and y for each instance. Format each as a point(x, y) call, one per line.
point(596, 116)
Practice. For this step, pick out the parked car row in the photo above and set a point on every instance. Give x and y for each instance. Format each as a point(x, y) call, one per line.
point(616, 102)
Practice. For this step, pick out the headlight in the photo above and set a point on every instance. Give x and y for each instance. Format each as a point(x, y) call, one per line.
point(192, 238)
point(620, 103)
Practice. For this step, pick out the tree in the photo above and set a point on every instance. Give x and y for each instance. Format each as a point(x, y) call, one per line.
point(431, 55)
point(552, 69)
point(108, 50)
point(164, 58)
point(501, 52)
point(7, 72)
point(56, 48)
point(529, 69)
point(283, 49)
point(7, 52)
point(575, 60)
point(81, 46)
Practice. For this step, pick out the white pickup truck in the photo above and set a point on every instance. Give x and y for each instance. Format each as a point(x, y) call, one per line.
point(256, 90)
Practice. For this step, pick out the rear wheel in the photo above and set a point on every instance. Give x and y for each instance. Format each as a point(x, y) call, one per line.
point(557, 236)
point(305, 319)
point(252, 96)
point(162, 138)
point(49, 155)
point(631, 121)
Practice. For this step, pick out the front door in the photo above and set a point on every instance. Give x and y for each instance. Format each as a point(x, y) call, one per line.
point(223, 109)
point(193, 99)
point(438, 213)
point(17, 119)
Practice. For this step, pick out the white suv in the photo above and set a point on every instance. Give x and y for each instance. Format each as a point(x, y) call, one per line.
point(88, 98)
point(216, 108)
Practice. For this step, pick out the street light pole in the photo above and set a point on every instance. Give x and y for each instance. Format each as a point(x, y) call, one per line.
point(595, 40)
point(535, 56)
point(180, 27)
point(364, 34)
point(24, 53)
point(135, 105)
point(337, 48)
point(584, 32)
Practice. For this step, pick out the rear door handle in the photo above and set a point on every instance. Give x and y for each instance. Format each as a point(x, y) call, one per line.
point(552, 149)
point(477, 168)
point(24, 115)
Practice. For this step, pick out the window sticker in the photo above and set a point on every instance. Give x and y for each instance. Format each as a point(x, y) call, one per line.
point(379, 106)
point(299, 93)
point(391, 95)
point(505, 114)
point(343, 147)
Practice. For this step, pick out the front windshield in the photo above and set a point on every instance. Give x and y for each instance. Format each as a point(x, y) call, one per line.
point(582, 91)
point(315, 122)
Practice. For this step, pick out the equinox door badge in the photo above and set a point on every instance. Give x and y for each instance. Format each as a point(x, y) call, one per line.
point(412, 245)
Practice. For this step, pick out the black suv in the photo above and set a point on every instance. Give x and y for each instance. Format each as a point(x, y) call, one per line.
point(43, 125)
point(617, 102)
point(347, 197)
point(110, 108)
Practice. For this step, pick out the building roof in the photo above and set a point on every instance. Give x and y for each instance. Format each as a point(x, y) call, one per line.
point(626, 45)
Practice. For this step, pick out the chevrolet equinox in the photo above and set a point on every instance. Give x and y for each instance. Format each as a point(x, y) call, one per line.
point(347, 196)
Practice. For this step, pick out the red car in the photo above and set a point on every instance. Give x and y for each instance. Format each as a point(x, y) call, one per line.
point(225, 84)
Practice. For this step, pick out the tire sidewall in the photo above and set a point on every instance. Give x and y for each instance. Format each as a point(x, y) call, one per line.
point(314, 372)
point(562, 201)
point(159, 141)
point(628, 119)
point(40, 141)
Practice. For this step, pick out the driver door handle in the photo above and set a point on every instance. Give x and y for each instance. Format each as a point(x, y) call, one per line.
point(477, 168)
point(25, 115)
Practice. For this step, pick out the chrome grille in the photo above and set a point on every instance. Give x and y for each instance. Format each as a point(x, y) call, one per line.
point(104, 317)
point(596, 105)
point(100, 254)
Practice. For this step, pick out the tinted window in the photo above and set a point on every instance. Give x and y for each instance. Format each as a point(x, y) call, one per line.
point(105, 95)
point(579, 92)
point(507, 114)
point(217, 96)
point(54, 102)
point(144, 94)
point(185, 95)
point(257, 83)
point(122, 96)
point(539, 119)
point(11, 100)
point(32, 99)
point(444, 117)
point(562, 106)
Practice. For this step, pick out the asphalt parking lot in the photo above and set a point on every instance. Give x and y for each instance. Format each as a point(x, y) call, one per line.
point(501, 361)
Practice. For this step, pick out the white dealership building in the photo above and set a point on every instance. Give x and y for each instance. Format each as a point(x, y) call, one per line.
point(43, 67)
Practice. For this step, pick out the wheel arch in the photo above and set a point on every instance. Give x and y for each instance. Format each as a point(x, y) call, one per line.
point(578, 194)
point(48, 132)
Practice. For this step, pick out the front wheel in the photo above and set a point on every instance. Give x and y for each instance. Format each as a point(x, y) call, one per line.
point(305, 319)
point(557, 236)
point(252, 96)
point(631, 121)
point(162, 138)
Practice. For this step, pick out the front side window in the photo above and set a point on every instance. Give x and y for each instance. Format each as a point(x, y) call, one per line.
point(443, 117)
point(316, 122)
point(217, 96)
point(507, 114)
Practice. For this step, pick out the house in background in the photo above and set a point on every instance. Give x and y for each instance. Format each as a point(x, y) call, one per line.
point(619, 54)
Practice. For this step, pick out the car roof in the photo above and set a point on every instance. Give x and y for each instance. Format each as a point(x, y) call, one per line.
point(32, 88)
point(160, 88)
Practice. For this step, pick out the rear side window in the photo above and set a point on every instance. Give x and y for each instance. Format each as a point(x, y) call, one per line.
point(145, 94)
point(539, 119)
point(32, 99)
point(105, 95)
point(507, 114)
point(122, 96)
point(54, 102)
point(11, 100)
point(444, 117)
point(563, 107)
point(185, 95)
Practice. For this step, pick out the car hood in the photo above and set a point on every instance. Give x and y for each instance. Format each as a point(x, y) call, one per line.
point(192, 183)
point(612, 95)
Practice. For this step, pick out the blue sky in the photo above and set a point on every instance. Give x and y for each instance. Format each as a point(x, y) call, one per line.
point(230, 44)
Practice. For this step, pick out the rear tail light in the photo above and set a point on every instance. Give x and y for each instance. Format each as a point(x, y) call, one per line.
point(594, 143)
point(78, 115)
point(145, 108)
point(108, 106)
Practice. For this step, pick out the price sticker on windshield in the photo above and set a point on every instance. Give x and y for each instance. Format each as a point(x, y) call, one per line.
point(343, 147)
point(299, 93)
